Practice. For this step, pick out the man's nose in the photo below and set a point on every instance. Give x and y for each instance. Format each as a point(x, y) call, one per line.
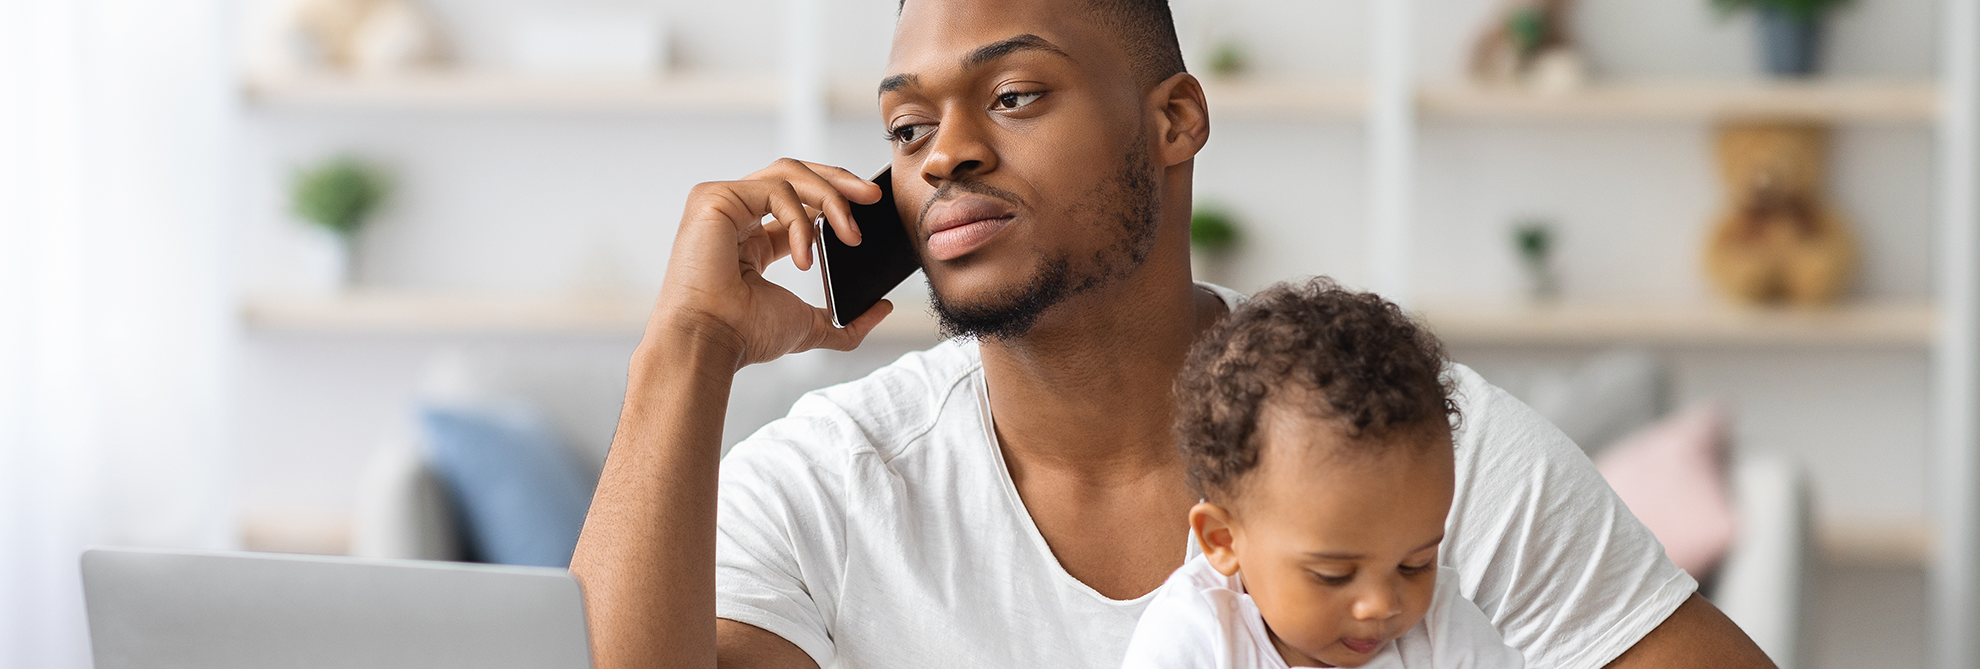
point(958, 149)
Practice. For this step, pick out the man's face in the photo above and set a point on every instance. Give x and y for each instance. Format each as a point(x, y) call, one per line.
point(1020, 157)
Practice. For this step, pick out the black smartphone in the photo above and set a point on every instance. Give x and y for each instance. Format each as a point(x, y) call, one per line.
point(856, 277)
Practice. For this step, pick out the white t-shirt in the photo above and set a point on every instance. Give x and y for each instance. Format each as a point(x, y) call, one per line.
point(1201, 619)
point(877, 526)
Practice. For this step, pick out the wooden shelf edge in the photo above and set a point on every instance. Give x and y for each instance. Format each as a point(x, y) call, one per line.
point(1876, 543)
point(1907, 325)
point(417, 313)
point(466, 91)
point(1262, 97)
point(1821, 100)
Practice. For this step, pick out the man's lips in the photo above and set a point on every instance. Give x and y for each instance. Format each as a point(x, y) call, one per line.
point(1362, 646)
point(959, 226)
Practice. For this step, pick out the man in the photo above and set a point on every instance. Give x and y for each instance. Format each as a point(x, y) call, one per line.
point(1008, 499)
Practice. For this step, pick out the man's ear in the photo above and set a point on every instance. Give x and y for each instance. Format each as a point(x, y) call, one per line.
point(1214, 534)
point(1182, 123)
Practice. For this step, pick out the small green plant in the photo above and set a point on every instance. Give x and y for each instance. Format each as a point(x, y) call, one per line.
point(1533, 240)
point(340, 194)
point(1228, 59)
point(1806, 10)
point(1213, 230)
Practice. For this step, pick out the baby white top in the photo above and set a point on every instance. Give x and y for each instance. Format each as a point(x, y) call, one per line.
point(1201, 619)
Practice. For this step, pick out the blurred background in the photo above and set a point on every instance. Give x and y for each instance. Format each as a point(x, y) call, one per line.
point(363, 276)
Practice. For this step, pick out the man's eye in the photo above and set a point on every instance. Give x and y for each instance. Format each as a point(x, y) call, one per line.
point(907, 134)
point(1015, 100)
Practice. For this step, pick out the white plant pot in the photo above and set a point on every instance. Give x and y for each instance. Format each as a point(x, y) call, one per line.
point(326, 262)
point(1212, 267)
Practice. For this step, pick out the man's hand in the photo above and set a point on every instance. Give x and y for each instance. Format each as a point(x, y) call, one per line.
point(647, 554)
point(715, 281)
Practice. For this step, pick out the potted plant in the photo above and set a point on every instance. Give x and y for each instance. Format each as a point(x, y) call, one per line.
point(339, 196)
point(1533, 241)
point(1790, 31)
point(1213, 235)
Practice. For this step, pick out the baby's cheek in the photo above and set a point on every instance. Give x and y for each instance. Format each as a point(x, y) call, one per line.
point(1299, 617)
point(1416, 603)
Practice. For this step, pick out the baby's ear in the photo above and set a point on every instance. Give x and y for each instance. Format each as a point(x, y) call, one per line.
point(1212, 525)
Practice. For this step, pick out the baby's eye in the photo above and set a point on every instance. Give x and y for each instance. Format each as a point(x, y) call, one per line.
point(1014, 100)
point(1412, 570)
point(1330, 579)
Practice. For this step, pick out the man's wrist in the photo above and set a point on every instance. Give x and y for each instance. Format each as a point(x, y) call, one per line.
point(687, 343)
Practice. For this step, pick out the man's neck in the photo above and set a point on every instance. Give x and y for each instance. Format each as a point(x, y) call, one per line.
point(1089, 390)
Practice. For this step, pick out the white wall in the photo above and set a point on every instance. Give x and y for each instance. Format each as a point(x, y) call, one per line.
point(579, 201)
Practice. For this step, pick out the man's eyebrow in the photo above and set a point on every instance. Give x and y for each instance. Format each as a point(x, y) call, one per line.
point(898, 82)
point(1024, 42)
point(982, 55)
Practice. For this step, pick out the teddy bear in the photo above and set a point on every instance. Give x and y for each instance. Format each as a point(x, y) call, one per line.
point(1778, 240)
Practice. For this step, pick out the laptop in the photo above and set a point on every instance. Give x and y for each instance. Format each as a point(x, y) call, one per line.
point(164, 609)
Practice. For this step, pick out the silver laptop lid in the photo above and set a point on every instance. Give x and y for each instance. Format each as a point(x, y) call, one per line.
point(161, 609)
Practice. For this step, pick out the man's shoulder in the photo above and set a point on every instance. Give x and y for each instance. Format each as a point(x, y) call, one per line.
point(884, 412)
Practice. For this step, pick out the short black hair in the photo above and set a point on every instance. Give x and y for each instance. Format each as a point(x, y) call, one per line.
point(1147, 31)
point(1352, 358)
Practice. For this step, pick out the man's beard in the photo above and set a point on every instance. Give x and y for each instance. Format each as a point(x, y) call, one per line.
point(1128, 198)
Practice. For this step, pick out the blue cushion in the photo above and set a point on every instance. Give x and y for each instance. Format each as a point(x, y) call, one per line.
point(520, 494)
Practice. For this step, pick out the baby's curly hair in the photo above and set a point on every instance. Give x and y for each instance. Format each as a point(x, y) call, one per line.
point(1360, 361)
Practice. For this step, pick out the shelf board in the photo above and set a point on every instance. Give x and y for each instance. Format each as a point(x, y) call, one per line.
point(1284, 98)
point(1821, 100)
point(458, 91)
point(416, 313)
point(1876, 543)
point(395, 312)
point(1264, 97)
point(1872, 324)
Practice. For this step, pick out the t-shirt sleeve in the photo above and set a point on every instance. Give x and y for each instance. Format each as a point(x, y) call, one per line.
point(780, 529)
point(1542, 545)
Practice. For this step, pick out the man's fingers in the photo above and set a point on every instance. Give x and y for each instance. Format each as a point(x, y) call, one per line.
point(828, 189)
point(850, 336)
point(779, 200)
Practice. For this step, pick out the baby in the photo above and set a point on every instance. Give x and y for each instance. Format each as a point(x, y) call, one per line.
point(1316, 424)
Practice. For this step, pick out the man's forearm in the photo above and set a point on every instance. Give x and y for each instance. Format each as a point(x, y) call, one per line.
point(646, 558)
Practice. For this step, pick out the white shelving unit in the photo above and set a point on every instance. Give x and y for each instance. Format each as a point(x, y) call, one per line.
point(1393, 103)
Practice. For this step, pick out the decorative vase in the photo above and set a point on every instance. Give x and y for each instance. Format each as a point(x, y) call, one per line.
point(1543, 285)
point(327, 262)
point(1790, 45)
point(1209, 266)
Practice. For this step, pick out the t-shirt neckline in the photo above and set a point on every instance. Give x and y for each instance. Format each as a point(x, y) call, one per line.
point(1037, 538)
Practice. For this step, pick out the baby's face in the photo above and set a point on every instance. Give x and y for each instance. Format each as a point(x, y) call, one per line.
point(1339, 548)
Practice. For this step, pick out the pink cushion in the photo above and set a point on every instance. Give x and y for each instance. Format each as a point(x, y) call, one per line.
point(1672, 475)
